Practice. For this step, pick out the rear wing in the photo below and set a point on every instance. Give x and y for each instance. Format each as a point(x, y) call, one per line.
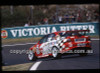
point(80, 31)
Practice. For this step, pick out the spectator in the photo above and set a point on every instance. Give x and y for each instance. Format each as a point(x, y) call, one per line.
point(45, 21)
point(96, 16)
point(67, 18)
point(75, 18)
point(78, 17)
point(26, 25)
point(54, 19)
point(88, 16)
point(60, 19)
point(72, 18)
point(29, 23)
point(41, 21)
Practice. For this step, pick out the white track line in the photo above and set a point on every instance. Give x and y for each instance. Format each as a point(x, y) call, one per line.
point(35, 66)
point(95, 39)
point(31, 43)
point(18, 44)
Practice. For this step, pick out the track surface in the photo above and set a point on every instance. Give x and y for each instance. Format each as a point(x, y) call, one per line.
point(66, 62)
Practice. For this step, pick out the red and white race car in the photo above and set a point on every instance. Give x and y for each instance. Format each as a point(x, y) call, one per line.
point(57, 43)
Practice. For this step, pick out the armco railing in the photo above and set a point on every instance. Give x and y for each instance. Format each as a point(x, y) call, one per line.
point(40, 30)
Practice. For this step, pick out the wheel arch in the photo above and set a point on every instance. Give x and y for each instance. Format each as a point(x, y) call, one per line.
point(56, 47)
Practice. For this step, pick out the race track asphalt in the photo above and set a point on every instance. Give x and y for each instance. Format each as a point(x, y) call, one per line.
point(91, 61)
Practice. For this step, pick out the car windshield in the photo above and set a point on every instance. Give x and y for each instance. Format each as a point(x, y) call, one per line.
point(44, 39)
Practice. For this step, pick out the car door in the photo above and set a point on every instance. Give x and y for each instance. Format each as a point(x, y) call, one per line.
point(44, 45)
point(47, 44)
point(51, 42)
point(40, 46)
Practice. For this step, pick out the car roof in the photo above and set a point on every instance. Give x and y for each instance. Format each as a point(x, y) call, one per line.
point(69, 31)
point(56, 32)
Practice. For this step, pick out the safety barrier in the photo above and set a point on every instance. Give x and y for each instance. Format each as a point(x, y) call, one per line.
point(41, 30)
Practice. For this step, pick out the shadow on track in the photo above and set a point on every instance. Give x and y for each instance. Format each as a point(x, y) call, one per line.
point(63, 57)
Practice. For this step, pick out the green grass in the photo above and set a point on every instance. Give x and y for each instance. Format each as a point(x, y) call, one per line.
point(95, 36)
point(19, 67)
point(20, 40)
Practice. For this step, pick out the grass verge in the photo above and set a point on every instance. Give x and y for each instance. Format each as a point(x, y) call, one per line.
point(19, 67)
point(95, 36)
point(20, 40)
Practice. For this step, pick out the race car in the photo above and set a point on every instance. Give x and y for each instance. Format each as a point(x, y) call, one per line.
point(57, 43)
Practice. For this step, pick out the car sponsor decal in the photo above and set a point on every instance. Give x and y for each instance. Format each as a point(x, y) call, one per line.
point(61, 43)
point(70, 44)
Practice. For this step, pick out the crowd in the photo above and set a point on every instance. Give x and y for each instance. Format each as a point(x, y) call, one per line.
point(73, 17)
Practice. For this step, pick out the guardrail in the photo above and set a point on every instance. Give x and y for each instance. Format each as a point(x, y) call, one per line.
point(41, 30)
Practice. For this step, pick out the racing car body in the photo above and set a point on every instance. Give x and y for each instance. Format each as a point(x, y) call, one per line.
point(57, 43)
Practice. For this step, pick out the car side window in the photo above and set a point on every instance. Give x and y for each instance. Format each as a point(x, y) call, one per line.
point(50, 37)
point(65, 34)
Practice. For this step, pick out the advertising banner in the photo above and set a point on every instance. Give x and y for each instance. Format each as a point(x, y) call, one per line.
point(41, 30)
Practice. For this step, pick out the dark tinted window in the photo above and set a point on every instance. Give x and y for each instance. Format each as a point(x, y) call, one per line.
point(44, 39)
point(69, 34)
point(65, 34)
point(76, 34)
point(51, 36)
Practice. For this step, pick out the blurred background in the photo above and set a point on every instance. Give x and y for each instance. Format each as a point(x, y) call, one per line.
point(30, 15)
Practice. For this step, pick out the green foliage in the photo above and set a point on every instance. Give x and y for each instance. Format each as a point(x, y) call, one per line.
point(18, 18)
point(21, 15)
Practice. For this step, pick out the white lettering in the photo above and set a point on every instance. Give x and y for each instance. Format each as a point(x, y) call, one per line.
point(73, 27)
point(43, 31)
point(30, 31)
point(91, 28)
point(23, 32)
point(19, 31)
point(63, 28)
point(14, 32)
point(53, 30)
point(68, 28)
point(79, 27)
point(48, 30)
point(38, 31)
point(85, 27)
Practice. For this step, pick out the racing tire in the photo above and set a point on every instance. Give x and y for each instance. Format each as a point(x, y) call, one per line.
point(55, 53)
point(31, 56)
